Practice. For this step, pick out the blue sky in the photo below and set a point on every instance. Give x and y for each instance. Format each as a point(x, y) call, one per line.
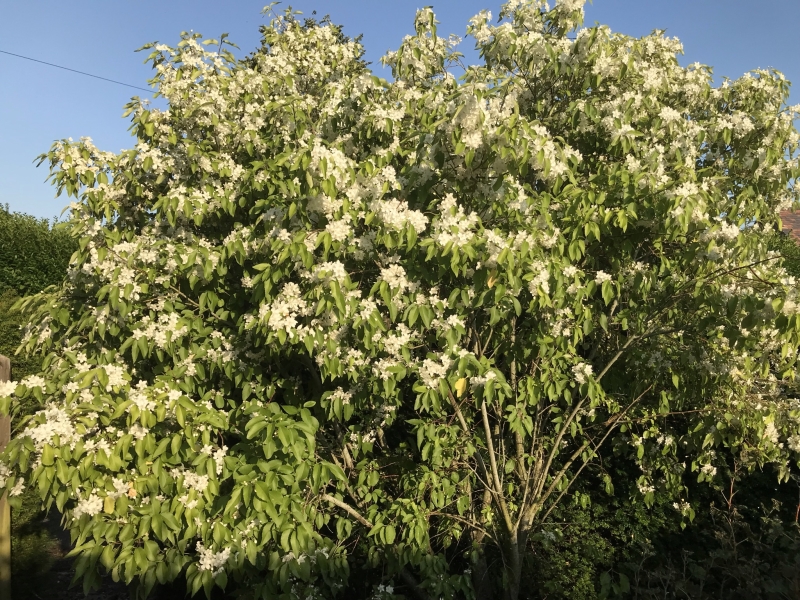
point(40, 104)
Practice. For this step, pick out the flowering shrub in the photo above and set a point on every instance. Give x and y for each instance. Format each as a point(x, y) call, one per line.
point(322, 322)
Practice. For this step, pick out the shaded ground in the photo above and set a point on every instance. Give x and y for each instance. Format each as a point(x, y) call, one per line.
point(40, 568)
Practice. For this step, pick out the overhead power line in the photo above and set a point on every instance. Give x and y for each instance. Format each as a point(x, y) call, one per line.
point(136, 87)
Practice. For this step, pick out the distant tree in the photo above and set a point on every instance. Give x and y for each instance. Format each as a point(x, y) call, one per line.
point(787, 246)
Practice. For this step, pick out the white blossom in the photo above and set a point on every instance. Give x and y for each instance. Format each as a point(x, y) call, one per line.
point(582, 372)
point(601, 277)
point(18, 488)
point(7, 388)
point(454, 226)
point(395, 276)
point(88, 506)
point(212, 561)
point(708, 470)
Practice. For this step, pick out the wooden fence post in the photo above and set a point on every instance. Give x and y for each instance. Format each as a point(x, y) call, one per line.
point(5, 510)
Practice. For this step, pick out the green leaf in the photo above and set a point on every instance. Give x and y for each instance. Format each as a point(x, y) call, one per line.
point(47, 455)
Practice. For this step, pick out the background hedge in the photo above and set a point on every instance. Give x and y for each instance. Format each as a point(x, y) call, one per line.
point(34, 254)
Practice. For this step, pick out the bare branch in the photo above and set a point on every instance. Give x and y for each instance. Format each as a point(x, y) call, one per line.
point(493, 462)
point(347, 485)
point(467, 522)
point(615, 358)
point(489, 339)
point(348, 509)
point(460, 416)
point(575, 455)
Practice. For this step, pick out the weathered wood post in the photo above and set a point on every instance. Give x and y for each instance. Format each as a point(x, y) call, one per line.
point(5, 510)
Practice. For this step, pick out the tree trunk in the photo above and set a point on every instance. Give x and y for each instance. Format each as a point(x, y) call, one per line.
point(481, 582)
point(512, 568)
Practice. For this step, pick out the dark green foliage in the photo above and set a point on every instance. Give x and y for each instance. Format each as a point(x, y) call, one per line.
point(583, 546)
point(11, 324)
point(747, 549)
point(33, 255)
point(788, 247)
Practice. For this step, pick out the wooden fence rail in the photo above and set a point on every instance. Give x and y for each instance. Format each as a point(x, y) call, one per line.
point(5, 511)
